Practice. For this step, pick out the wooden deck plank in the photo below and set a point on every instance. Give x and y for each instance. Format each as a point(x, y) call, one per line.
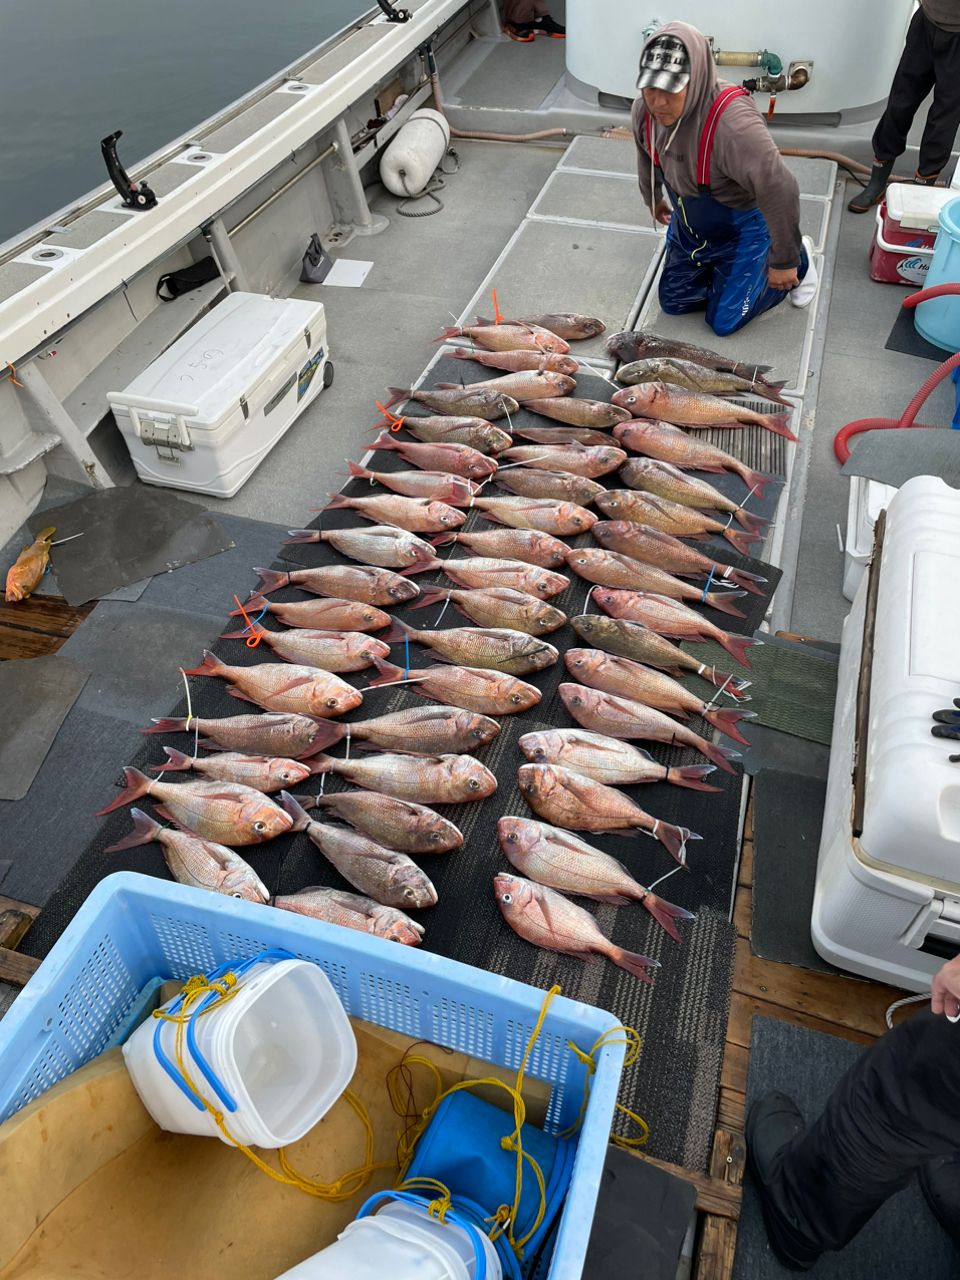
point(743, 1008)
point(847, 1002)
point(718, 1239)
point(37, 626)
point(745, 873)
point(731, 1109)
point(714, 1195)
point(743, 911)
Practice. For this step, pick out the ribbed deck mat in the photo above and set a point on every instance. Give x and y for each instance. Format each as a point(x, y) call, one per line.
point(682, 1019)
point(791, 691)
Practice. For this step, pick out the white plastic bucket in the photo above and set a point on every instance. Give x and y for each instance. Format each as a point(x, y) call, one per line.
point(401, 1242)
point(939, 319)
point(281, 1050)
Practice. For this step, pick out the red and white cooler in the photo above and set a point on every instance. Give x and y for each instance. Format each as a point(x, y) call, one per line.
point(907, 225)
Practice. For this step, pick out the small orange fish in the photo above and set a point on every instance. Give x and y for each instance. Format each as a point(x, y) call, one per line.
point(23, 576)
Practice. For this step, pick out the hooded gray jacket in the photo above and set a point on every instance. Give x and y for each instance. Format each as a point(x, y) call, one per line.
point(746, 170)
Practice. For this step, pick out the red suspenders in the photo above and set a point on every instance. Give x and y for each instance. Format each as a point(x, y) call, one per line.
point(707, 137)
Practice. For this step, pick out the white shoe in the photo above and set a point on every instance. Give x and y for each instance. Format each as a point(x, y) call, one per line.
point(806, 290)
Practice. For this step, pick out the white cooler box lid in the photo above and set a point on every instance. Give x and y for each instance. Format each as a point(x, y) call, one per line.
point(917, 208)
point(204, 374)
point(911, 822)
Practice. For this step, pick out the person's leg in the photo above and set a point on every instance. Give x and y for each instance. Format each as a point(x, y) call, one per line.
point(519, 17)
point(684, 282)
point(914, 78)
point(912, 81)
point(739, 291)
point(943, 118)
point(896, 1109)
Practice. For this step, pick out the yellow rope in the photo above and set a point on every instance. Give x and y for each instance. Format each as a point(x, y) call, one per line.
point(342, 1188)
point(615, 1035)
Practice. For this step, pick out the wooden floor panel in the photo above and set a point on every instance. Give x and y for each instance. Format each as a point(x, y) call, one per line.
point(37, 626)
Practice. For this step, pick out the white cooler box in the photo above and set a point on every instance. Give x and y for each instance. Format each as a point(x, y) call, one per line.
point(887, 899)
point(206, 413)
point(867, 499)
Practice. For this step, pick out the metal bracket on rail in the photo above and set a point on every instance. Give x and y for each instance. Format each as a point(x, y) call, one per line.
point(136, 195)
point(393, 14)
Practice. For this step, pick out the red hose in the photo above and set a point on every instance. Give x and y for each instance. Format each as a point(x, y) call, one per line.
point(907, 419)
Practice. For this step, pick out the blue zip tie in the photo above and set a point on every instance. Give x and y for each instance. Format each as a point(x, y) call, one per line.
point(256, 620)
point(703, 598)
point(406, 656)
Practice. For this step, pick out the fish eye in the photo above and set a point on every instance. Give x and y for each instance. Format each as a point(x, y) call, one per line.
point(367, 616)
point(286, 775)
point(506, 898)
point(331, 703)
point(236, 894)
point(512, 838)
point(515, 698)
point(578, 662)
point(393, 591)
point(436, 836)
point(577, 700)
point(473, 784)
point(366, 655)
point(260, 826)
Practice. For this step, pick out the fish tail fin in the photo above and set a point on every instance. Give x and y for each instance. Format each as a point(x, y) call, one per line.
point(319, 764)
point(271, 580)
point(442, 539)
point(175, 760)
point(726, 720)
point(691, 776)
point(748, 581)
point(460, 353)
point(398, 631)
point(674, 839)
point(736, 646)
point(169, 724)
point(338, 500)
point(256, 602)
point(772, 390)
point(726, 682)
point(721, 601)
point(397, 395)
point(756, 480)
point(433, 595)
point(721, 756)
point(358, 472)
point(778, 424)
point(424, 562)
point(634, 963)
point(243, 634)
point(291, 806)
point(135, 786)
point(742, 541)
point(145, 829)
point(384, 441)
point(482, 320)
point(449, 331)
point(750, 522)
point(302, 535)
point(210, 666)
point(665, 913)
point(388, 673)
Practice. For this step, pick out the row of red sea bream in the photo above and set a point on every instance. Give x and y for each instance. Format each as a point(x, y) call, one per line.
point(621, 685)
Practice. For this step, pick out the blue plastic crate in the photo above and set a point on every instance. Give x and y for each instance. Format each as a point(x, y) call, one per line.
point(134, 927)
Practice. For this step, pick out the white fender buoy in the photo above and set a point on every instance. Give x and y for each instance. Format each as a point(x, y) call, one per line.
point(412, 156)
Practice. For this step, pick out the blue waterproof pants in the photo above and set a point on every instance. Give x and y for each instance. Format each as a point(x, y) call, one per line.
point(717, 260)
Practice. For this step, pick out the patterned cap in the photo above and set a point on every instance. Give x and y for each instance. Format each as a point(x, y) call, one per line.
point(665, 65)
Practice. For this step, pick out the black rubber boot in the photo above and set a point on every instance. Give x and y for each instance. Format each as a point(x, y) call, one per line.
point(920, 181)
point(872, 193)
point(940, 1183)
point(548, 27)
point(773, 1125)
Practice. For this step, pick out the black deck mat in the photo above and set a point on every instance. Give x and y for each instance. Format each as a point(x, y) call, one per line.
point(128, 534)
point(905, 338)
point(787, 819)
point(682, 1019)
point(902, 1239)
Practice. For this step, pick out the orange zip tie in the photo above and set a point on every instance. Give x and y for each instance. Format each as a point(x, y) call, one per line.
point(256, 633)
point(497, 315)
point(395, 422)
point(13, 375)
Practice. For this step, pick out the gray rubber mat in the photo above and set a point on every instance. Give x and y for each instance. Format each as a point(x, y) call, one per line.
point(46, 833)
point(901, 1240)
point(519, 74)
point(133, 652)
point(771, 749)
point(787, 821)
point(128, 534)
point(36, 694)
point(894, 457)
point(905, 339)
point(593, 197)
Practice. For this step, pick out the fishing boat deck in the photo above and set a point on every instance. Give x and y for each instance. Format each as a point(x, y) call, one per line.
point(552, 226)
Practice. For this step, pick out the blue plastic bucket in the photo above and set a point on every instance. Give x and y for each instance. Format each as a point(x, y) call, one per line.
point(461, 1149)
point(939, 320)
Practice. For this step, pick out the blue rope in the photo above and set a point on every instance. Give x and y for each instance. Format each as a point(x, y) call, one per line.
point(255, 621)
point(703, 598)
